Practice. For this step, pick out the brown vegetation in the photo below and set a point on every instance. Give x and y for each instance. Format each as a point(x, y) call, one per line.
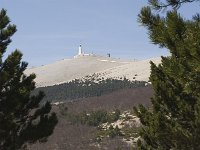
point(68, 136)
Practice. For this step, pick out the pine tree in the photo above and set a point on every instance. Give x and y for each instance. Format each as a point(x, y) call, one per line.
point(173, 120)
point(22, 120)
point(160, 4)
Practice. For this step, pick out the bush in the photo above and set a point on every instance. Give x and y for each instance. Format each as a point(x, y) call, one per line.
point(96, 118)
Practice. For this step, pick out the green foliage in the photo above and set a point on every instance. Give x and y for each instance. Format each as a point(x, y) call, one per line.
point(113, 132)
point(21, 118)
point(86, 88)
point(96, 118)
point(174, 120)
point(159, 4)
point(110, 132)
point(130, 132)
point(114, 116)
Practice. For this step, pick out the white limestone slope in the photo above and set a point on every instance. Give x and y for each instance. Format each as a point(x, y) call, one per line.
point(68, 69)
point(138, 70)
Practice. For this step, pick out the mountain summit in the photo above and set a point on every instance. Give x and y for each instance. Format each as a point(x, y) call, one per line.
point(79, 67)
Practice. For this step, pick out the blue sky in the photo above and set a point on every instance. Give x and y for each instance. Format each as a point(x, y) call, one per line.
point(50, 30)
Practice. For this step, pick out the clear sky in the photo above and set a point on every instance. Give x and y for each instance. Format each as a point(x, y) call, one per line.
point(50, 30)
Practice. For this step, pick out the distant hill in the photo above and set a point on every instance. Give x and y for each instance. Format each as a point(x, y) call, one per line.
point(76, 68)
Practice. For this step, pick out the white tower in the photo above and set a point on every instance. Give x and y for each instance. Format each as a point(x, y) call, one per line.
point(80, 51)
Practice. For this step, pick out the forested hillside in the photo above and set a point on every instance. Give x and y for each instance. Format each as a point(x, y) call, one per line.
point(88, 87)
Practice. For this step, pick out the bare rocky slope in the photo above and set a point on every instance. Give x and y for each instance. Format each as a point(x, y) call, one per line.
point(68, 69)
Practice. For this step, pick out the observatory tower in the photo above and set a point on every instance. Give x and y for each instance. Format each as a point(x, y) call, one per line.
point(81, 53)
point(80, 50)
